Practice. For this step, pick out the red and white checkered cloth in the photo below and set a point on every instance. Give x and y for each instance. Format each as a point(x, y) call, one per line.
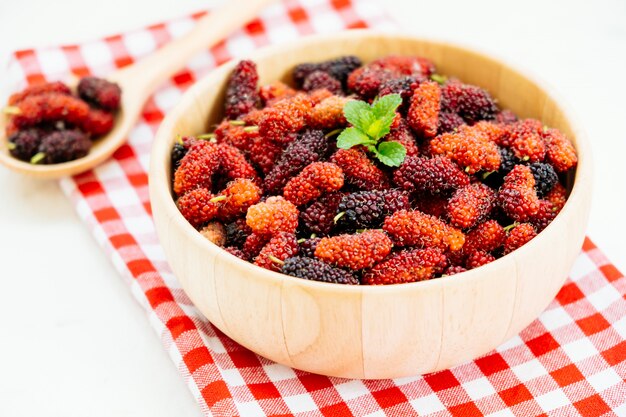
point(569, 362)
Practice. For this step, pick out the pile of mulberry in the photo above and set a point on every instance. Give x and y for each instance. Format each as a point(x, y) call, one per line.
point(444, 182)
point(49, 124)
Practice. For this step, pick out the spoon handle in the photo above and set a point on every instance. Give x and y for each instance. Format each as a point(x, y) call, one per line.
point(143, 77)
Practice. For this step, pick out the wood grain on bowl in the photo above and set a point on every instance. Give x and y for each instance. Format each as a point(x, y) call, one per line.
point(363, 331)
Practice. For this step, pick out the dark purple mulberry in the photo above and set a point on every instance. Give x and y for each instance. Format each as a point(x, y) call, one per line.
point(339, 68)
point(318, 217)
point(310, 147)
point(308, 246)
point(434, 175)
point(63, 146)
point(367, 209)
point(508, 160)
point(318, 80)
point(545, 178)
point(242, 94)
point(100, 93)
point(449, 121)
point(506, 117)
point(179, 150)
point(363, 209)
point(237, 232)
point(403, 86)
point(24, 144)
point(470, 102)
point(316, 270)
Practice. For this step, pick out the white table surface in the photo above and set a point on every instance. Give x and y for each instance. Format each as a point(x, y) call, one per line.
point(75, 343)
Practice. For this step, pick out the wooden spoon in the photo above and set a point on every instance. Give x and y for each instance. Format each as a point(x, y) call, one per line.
point(140, 80)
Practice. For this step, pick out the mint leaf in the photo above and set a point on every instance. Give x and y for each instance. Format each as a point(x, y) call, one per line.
point(391, 153)
point(351, 137)
point(386, 105)
point(359, 114)
point(384, 111)
point(369, 125)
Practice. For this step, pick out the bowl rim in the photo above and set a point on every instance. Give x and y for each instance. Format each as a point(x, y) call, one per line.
point(159, 188)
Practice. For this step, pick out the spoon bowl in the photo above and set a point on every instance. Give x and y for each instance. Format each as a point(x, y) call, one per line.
point(137, 82)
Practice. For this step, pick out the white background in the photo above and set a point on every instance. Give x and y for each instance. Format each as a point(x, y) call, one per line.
point(73, 341)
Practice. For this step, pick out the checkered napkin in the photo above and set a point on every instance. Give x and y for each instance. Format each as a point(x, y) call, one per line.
point(569, 362)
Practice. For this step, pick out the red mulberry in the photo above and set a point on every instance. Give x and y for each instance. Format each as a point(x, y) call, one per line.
point(272, 216)
point(280, 247)
point(275, 91)
point(55, 87)
point(235, 199)
point(470, 205)
point(196, 206)
point(328, 114)
point(413, 228)
point(197, 168)
point(402, 134)
point(470, 102)
point(560, 151)
point(285, 118)
point(359, 170)
point(478, 258)
point(519, 236)
point(234, 165)
point(423, 114)
point(316, 179)
point(486, 237)
point(406, 266)
point(214, 232)
point(50, 108)
point(469, 149)
point(97, 122)
point(354, 251)
point(517, 196)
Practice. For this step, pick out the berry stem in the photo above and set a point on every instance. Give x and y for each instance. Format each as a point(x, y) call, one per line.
point(218, 199)
point(301, 240)
point(486, 174)
point(237, 122)
point(11, 146)
point(439, 79)
point(338, 216)
point(333, 133)
point(275, 260)
point(250, 129)
point(12, 110)
point(179, 139)
point(38, 157)
point(511, 226)
point(206, 136)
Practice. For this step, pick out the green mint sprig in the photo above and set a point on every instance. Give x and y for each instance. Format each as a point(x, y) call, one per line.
point(370, 123)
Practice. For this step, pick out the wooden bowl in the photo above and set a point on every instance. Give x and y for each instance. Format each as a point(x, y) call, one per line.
point(367, 331)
